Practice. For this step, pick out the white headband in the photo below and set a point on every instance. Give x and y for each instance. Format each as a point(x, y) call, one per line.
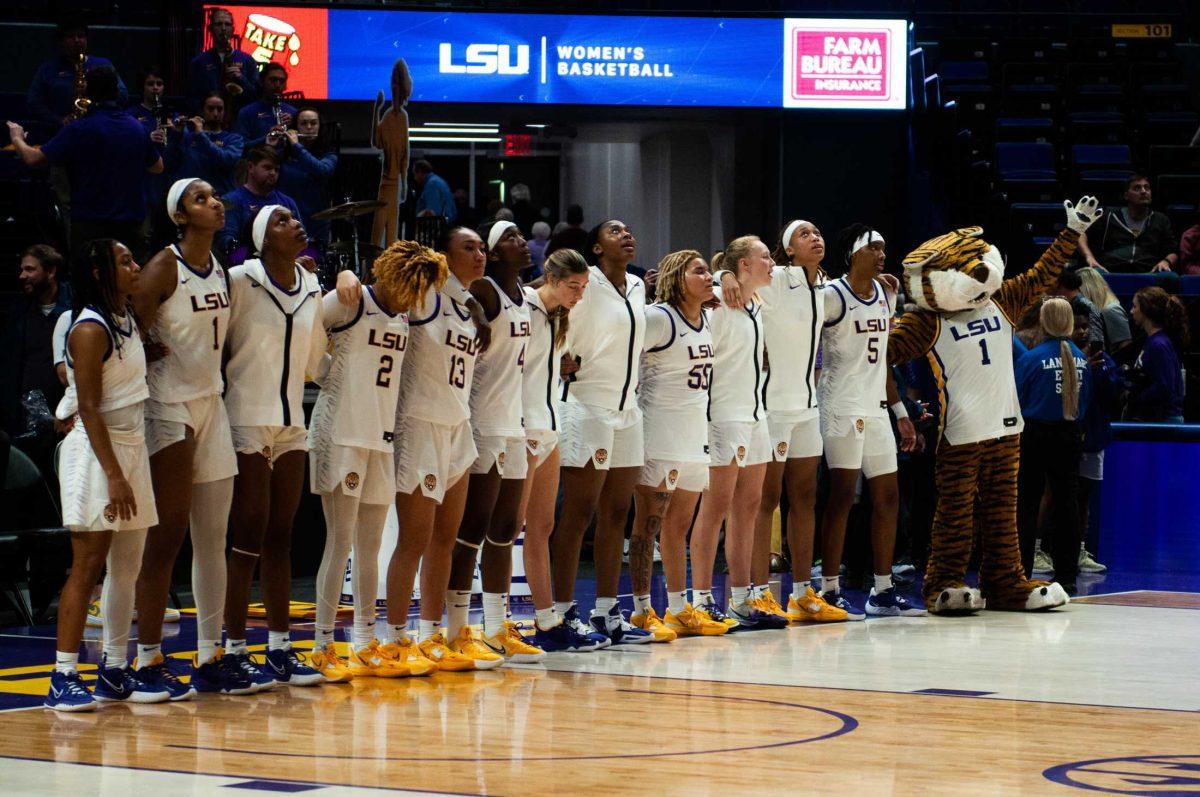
point(865, 240)
point(498, 229)
point(175, 194)
point(258, 231)
point(790, 230)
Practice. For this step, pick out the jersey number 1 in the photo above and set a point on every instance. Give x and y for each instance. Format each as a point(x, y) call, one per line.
point(216, 335)
point(983, 350)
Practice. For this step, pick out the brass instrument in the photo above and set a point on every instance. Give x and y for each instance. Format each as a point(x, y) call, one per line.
point(232, 87)
point(82, 103)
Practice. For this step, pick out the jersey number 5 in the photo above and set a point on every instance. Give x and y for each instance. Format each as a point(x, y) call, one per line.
point(383, 378)
point(699, 377)
point(872, 350)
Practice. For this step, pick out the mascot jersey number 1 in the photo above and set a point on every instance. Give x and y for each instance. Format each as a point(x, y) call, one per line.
point(964, 327)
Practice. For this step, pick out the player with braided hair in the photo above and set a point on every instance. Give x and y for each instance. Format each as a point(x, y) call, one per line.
point(350, 449)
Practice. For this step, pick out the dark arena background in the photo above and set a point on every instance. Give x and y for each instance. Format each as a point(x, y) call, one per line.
point(686, 125)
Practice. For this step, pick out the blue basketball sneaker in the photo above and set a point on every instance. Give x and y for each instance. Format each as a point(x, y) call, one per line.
point(122, 684)
point(714, 611)
point(157, 673)
point(572, 619)
point(68, 693)
point(839, 600)
point(259, 675)
point(222, 675)
point(287, 666)
point(563, 637)
point(614, 625)
point(891, 603)
point(751, 618)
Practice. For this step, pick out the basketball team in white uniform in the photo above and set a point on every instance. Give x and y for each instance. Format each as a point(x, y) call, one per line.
point(463, 397)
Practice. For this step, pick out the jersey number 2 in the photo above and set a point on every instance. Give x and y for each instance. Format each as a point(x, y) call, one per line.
point(383, 378)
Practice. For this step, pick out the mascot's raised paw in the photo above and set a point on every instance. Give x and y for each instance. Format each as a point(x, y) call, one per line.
point(1048, 596)
point(1083, 214)
point(957, 601)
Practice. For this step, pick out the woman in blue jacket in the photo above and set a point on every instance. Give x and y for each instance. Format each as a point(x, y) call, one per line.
point(1054, 386)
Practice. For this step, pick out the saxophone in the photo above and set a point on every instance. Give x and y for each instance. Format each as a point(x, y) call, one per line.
point(82, 103)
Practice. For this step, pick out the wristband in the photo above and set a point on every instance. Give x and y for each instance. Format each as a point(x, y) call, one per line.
point(898, 410)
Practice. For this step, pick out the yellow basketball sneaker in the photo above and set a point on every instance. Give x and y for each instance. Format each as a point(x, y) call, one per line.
point(475, 649)
point(327, 662)
point(513, 645)
point(812, 608)
point(404, 657)
point(650, 621)
point(443, 656)
point(694, 622)
point(767, 603)
point(95, 618)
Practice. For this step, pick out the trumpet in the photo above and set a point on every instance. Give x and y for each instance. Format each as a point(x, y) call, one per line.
point(82, 103)
point(232, 87)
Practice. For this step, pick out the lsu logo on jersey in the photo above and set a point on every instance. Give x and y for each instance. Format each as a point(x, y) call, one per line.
point(519, 330)
point(209, 301)
point(977, 326)
point(387, 340)
point(464, 343)
point(870, 325)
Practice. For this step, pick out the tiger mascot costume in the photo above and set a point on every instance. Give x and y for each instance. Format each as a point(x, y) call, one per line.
point(964, 327)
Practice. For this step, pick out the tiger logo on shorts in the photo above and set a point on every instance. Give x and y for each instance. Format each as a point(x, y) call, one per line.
point(533, 445)
point(110, 513)
point(500, 459)
point(430, 481)
point(859, 425)
point(672, 477)
point(266, 452)
point(352, 481)
point(601, 456)
point(781, 449)
point(741, 452)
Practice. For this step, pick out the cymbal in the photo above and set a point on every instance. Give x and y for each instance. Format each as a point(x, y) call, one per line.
point(348, 210)
point(365, 250)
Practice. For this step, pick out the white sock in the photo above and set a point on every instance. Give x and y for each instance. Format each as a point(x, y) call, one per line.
point(738, 595)
point(341, 516)
point(883, 583)
point(396, 633)
point(676, 602)
point(322, 637)
point(702, 597)
point(112, 660)
point(236, 646)
point(427, 628)
point(547, 618)
point(562, 607)
point(209, 525)
point(494, 612)
point(116, 598)
point(757, 591)
point(364, 632)
point(458, 610)
point(66, 663)
point(206, 649)
point(148, 653)
point(604, 604)
point(641, 604)
point(800, 589)
point(278, 640)
point(831, 584)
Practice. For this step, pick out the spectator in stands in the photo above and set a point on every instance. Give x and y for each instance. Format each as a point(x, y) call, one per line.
point(1156, 382)
point(149, 109)
point(524, 213)
point(243, 203)
point(537, 251)
point(435, 198)
point(1133, 239)
point(201, 147)
point(1068, 287)
point(573, 236)
point(52, 93)
point(221, 67)
point(1189, 251)
point(155, 120)
point(467, 216)
point(1102, 407)
point(309, 161)
point(1115, 322)
point(27, 354)
point(1054, 386)
point(106, 155)
point(266, 120)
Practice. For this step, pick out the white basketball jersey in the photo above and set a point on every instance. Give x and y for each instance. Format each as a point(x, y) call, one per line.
point(738, 374)
point(542, 364)
point(854, 360)
point(435, 385)
point(972, 364)
point(123, 376)
point(275, 337)
point(606, 337)
point(498, 386)
point(357, 403)
point(677, 367)
point(793, 313)
point(192, 323)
